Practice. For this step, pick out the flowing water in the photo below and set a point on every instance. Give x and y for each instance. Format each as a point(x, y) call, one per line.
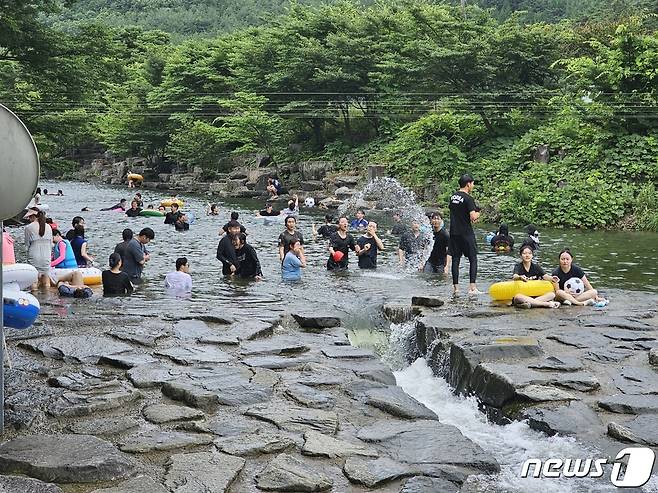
point(621, 264)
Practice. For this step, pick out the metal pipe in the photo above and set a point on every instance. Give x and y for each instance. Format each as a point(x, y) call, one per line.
point(2, 345)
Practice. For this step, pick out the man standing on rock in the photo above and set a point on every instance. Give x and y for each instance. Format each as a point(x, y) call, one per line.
point(463, 212)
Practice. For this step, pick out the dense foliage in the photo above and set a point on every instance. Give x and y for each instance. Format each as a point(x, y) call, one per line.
point(429, 90)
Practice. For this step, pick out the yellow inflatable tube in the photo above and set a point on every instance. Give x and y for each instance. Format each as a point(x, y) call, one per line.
point(506, 290)
point(168, 202)
point(135, 177)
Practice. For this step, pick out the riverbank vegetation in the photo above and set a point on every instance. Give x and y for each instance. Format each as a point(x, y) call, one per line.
point(557, 121)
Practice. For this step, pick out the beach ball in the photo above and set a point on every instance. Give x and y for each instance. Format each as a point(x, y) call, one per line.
point(309, 202)
point(574, 286)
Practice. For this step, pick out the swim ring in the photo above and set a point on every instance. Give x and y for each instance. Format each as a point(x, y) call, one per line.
point(151, 213)
point(168, 202)
point(135, 177)
point(506, 290)
point(19, 309)
point(23, 275)
point(91, 276)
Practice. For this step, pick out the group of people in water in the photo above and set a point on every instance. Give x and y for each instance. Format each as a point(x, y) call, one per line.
point(49, 250)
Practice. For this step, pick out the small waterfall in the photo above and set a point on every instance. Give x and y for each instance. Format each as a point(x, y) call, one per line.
point(402, 340)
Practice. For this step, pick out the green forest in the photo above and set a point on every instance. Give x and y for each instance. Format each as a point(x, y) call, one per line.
point(552, 109)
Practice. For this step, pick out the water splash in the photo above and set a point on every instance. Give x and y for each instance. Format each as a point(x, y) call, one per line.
point(401, 338)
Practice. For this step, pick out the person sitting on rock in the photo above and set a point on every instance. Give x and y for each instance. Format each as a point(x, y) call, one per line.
point(273, 187)
point(527, 270)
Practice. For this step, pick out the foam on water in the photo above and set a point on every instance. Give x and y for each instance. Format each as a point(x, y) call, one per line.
point(511, 445)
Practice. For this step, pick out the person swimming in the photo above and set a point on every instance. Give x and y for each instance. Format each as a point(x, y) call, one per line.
point(502, 242)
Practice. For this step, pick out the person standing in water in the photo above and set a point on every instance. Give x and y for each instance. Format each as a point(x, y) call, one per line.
point(226, 251)
point(367, 247)
point(439, 259)
point(340, 243)
point(411, 243)
point(463, 213)
point(290, 233)
point(360, 222)
point(134, 209)
point(136, 255)
point(179, 282)
point(248, 263)
point(293, 262)
point(39, 243)
point(115, 281)
point(327, 229)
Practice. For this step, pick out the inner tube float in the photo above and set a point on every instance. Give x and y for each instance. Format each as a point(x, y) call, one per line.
point(23, 275)
point(168, 202)
point(8, 256)
point(91, 276)
point(151, 213)
point(506, 290)
point(135, 177)
point(20, 309)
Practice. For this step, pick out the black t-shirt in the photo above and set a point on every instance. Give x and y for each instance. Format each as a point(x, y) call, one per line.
point(172, 217)
point(367, 260)
point(575, 271)
point(116, 284)
point(502, 243)
point(534, 274)
point(133, 212)
point(461, 205)
point(285, 238)
point(411, 244)
point(440, 249)
point(242, 228)
point(326, 230)
point(248, 263)
point(226, 254)
point(272, 213)
point(340, 244)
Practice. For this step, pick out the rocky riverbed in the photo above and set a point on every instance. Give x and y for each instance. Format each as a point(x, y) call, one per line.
point(129, 403)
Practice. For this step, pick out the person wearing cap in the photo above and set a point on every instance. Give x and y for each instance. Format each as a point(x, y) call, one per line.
point(439, 259)
point(289, 234)
point(463, 213)
point(340, 243)
point(367, 247)
point(293, 262)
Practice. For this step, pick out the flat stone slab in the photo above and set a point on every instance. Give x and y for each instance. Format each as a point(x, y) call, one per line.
point(375, 472)
point(558, 363)
point(278, 362)
point(77, 349)
point(314, 374)
point(226, 425)
point(65, 458)
point(207, 472)
point(319, 445)
point(253, 444)
point(316, 321)
point(144, 336)
point(636, 380)
point(206, 389)
point(287, 473)
point(191, 329)
point(572, 419)
point(630, 404)
point(619, 322)
point(15, 484)
point(643, 430)
point(293, 418)
point(128, 360)
point(140, 484)
point(383, 376)
point(86, 379)
point(423, 484)
point(346, 352)
point(581, 340)
point(426, 442)
point(154, 440)
point(193, 355)
point(282, 345)
point(91, 402)
point(153, 375)
point(426, 301)
point(627, 335)
point(165, 413)
point(246, 330)
point(309, 397)
point(395, 401)
point(608, 355)
point(544, 393)
point(103, 426)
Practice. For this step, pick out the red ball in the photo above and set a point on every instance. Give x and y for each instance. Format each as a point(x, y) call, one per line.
point(338, 256)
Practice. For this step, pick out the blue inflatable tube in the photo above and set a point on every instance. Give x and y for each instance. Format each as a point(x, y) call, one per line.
point(20, 309)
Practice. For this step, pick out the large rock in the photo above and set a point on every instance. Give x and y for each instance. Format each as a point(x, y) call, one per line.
point(317, 444)
point(241, 331)
point(315, 170)
point(309, 397)
point(281, 346)
point(145, 336)
point(77, 349)
point(636, 380)
point(309, 320)
point(165, 413)
point(395, 401)
point(630, 404)
point(346, 352)
point(192, 355)
point(104, 426)
point(155, 440)
point(15, 484)
point(153, 375)
point(427, 301)
point(65, 458)
point(140, 484)
point(428, 442)
point(207, 472)
point(572, 419)
point(581, 340)
point(558, 363)
point(618, 322)
point(643, 430)
point(287, 473)
point(423, 484)
point(93, 401)
point(293, 418)
point(254, 444)
point(375, 472)
point(128, 360)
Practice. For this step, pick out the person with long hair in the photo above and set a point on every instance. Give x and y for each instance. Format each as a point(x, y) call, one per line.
point(527, 270)
point(79, 245)
point(573, 286)
point(39, 240)
point(116, 282)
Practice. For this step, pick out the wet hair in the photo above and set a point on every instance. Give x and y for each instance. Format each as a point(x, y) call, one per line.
point(45, 191)
point(49, 220)
point(526, 246)
point(60, 192)
point(80, 293)
point(233, 223)
point(147, 232)
point(41, 219)
point(292, 243)
point(503, 229)
point(138, 195)
point(290, 217)
point(565, 250)
point(436, 214)
point(291, 205)
point(234, 216)
point(79, 230)
point(57, 232)
point(268, 205)
point(329, 218)
point(127, 234)
point(361, 211)
point(175, 204)
point(133, 201)
point(122, 201)
point(465, 180)
point(115, 259)
point(213, 207)
point(180, 262)
point(530, 229)
point(37, 191)
point(77, 220)
point(242, 237)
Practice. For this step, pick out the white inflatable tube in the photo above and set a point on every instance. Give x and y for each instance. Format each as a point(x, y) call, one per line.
point(20, 309)
point(91, 276)
point(22, 274)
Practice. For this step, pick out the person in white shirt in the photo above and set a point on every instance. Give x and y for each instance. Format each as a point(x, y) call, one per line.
point(179, 282)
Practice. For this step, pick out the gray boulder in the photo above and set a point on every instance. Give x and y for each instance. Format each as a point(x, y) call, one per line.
point(287, 473)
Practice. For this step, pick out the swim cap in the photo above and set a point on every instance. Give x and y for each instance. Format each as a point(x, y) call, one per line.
point(338, 256)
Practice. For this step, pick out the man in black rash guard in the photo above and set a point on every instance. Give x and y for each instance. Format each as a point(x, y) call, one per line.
point(234, 217)
point(174, 215)
point(327, 229)
point(439, 259)
point(268, 211)
point(248, 263)
point(226, 251)
point(463, 212)
point(134, 209)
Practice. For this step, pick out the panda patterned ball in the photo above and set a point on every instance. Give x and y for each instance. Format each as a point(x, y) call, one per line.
point(574, 286)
